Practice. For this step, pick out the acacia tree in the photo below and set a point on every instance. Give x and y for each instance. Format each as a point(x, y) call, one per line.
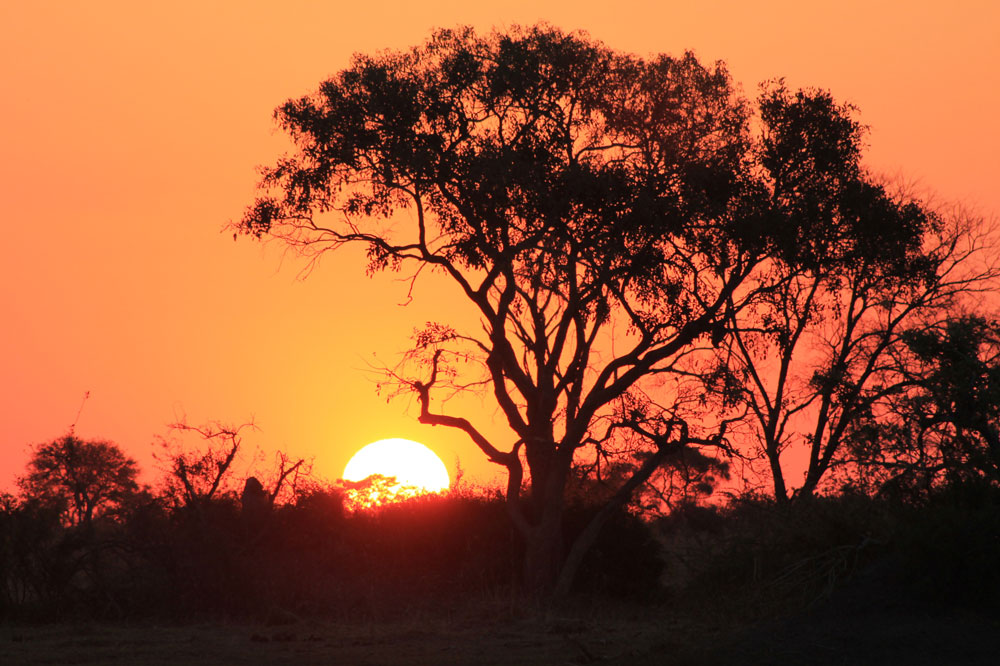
point(574, 194)
point(81, 479)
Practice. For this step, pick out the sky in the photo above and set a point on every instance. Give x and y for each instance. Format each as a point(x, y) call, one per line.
point(130, 134)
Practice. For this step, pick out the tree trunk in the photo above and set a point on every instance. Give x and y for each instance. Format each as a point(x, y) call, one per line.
point(808, 489)
point(777, 475)
point(587, 538)
point(543, 561)
point(544, 551)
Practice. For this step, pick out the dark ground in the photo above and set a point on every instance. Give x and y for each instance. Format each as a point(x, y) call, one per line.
point(830, 635)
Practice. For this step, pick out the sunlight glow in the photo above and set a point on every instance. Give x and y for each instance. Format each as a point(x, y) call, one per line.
point(392, 469)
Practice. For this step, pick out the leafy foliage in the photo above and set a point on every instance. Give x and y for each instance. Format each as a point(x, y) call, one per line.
point(602, 213)
point(946, 425)
point(80, 479)
point(815, 366)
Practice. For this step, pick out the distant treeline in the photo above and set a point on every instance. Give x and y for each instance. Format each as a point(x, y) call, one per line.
point(117, 551)
point(83, 539)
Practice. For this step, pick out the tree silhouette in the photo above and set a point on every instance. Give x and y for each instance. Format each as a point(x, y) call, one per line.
point(959, 375)
point(605, 216)
point(946, 424)
point(819, 359)
point(81, 479)
point(194, 477)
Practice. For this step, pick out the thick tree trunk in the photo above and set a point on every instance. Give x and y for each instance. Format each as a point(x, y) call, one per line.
point(543, 560)
point(544, 548)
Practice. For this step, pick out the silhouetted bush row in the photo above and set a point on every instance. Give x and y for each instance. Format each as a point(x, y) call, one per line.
point(136, 553)
point(756, 557)
point(309, 556)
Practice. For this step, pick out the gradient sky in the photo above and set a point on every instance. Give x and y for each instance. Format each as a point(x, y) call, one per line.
point(129, 136)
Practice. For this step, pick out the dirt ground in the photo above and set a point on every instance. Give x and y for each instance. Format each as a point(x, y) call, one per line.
point(415, 642)
point(645, 637)
point(913, 638)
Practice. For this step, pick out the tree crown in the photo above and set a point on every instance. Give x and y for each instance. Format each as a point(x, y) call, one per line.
point(81, 478)
point(604, 214)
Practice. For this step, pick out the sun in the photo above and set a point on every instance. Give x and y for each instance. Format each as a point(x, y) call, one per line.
point(391, 469)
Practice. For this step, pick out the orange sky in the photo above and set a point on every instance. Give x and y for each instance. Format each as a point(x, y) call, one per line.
point(129, 133)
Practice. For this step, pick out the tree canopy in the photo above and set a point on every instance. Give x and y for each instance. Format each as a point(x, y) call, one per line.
point(949, 424)
point(606, 215)
point(81, 479)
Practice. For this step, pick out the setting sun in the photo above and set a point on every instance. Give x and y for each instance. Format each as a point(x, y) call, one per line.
point(415, 468)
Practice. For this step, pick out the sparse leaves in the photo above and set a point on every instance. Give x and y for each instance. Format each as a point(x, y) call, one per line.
point(195, 475)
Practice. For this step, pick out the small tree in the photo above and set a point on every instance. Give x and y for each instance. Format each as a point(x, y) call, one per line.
point(82, 479)
point(601, 213)
point(196, 476)
point(958, 380)
point(945, 425)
